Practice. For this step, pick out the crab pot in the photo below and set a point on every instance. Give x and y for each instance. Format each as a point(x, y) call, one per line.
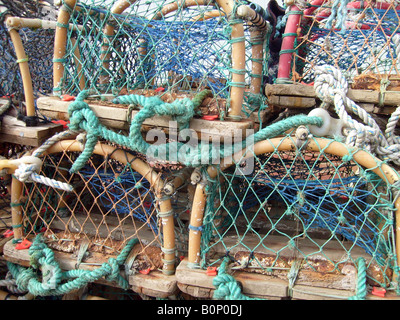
point(312, 208)
point(115, 197)
point(361, 40)
point(118, 47)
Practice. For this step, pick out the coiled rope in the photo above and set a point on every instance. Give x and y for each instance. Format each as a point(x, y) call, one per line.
point(57, 282)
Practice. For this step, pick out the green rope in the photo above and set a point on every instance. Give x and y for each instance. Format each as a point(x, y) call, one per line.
point(361, 291)
point(42, 257)
point(182, 111)
point(227, 288)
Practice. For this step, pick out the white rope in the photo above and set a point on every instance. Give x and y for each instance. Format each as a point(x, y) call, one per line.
point(332, 87)
point(28, 166)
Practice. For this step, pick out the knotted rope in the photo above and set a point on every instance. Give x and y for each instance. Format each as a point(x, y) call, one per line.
point(53, 278)
point(332, 87)
point(28, 166)
point(227, 288)
point(83, 118)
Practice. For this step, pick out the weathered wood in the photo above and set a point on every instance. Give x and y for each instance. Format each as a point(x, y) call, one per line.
point(116, 118)
point(154, 284)
point(313, 293)
point(253, 284)
point(3, 243)
point(332, 269)
point(317, 293)
point(14, 131)
point(105, 227)
point(195, 291)
point(390, 98)
point(292, 102)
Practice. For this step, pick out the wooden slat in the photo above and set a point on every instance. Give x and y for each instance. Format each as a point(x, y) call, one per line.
point(115, 117)
point(330, 267)
point(317, 293)
point(292, 102)
point(262, 286)
point(12, 130)
point(390, 98)
point(154, 284)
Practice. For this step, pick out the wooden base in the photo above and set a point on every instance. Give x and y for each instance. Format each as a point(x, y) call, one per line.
point(116, 117)
point(197, 283)
point(154, 284)
point(302, 96)
point(15, 131)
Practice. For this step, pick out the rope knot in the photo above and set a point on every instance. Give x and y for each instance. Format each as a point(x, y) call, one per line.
point(27, 165)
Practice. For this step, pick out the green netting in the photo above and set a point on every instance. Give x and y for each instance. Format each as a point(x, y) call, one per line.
point(318, 209)
point(181, 51)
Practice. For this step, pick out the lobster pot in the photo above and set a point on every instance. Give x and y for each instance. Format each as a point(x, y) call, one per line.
point(38, 46)
point(305, 208)
point(362, 41)
point(111, 203)
point(182, 47)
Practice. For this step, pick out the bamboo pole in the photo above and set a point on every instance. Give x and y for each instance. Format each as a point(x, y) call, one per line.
point(167, 221)
point(16, 208)
point(22, 61)
point(19, 23)
point(247, 13)
point(238, 52)
point(257, 33)
point(238, 63)
point(180, 178)
point(60, 45)
point(196, 221)
point(256, 37)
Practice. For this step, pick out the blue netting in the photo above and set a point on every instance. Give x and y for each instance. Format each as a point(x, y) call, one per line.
point(123, 193)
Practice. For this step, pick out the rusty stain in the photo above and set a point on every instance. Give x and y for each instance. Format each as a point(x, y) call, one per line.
point(316, 270)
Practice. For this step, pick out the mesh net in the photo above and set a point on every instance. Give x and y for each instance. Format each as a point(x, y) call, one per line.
point(300, 205)
point(111, 203)
point(38, 46)
point(362, 41)
point(185, 50)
